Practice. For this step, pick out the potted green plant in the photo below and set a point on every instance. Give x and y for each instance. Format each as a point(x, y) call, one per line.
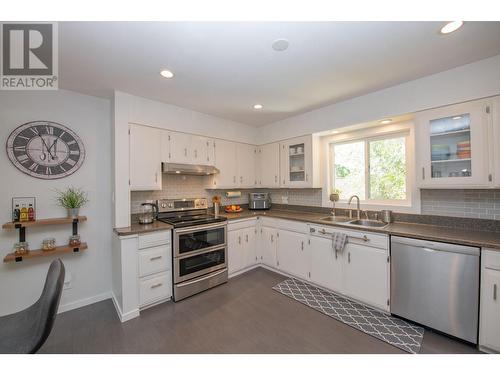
point(72, 199)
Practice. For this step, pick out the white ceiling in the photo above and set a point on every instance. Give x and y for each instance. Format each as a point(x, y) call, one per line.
point(224, 68)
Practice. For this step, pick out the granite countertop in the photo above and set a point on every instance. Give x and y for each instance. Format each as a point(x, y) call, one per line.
point(403, 229)
point(136, 228)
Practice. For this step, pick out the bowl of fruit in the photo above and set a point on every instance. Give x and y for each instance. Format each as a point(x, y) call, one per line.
point(233, 208)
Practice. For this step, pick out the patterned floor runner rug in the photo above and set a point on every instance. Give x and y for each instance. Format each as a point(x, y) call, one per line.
point(394, 331)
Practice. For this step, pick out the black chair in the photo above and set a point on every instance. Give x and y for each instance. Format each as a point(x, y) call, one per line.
point(26, 331)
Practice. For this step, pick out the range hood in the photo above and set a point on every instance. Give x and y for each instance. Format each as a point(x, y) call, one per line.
point(188, 169)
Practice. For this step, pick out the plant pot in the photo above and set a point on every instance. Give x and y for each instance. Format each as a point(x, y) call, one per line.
point(73, 213)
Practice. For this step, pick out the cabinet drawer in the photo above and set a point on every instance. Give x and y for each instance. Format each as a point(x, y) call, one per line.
point(292, 226)
point(154, 239)
point(380, 241)
point(491, 259)
point(241, 224)
point(154, 259)
point(154, 289)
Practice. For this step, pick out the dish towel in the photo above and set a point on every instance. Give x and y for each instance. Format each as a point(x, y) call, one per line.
point(338, 241)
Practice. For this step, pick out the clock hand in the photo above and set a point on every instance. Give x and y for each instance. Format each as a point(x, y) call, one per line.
point(46, 147)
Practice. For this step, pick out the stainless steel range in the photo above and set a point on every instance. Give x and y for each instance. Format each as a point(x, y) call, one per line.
point(199, 245)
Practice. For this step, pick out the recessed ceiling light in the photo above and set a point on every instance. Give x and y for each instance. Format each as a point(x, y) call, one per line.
point(258, 106)
point(451, 27)
point(386, 121)
point(280, 45)
point(167, 73)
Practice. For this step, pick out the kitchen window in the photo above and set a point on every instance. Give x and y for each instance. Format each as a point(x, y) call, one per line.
point(373, 168)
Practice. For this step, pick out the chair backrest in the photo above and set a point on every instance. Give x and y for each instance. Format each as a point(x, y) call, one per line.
point(46, 307)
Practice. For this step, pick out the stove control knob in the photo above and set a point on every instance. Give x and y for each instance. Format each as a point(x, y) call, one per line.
point(170, 205)
point(163, 205)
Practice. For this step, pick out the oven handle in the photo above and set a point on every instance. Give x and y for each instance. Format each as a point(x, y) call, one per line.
point(186, 283)
point(202, 251)
point(200, 227)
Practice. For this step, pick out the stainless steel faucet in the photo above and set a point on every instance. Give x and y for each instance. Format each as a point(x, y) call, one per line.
point(358, 209)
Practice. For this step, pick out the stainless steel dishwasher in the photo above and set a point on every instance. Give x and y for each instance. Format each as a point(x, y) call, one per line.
point(437, 285)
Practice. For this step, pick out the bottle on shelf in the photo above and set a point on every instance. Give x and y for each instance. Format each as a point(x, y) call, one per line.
point(31, 213)
point(24, 213)
point(16, 214)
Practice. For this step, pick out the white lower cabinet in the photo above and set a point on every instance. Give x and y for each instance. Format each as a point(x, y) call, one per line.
point(489, 326)
point(292, 253)
point(267, 246)
point(142, 272)
point(360, 271)
point(326, 265)
point(365, 274)
point(242, 246)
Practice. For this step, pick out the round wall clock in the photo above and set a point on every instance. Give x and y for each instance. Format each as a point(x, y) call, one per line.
point(45, 149)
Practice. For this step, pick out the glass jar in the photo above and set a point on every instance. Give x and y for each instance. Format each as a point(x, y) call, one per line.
point(21, 248)
point(74, 240)
point(49, 244)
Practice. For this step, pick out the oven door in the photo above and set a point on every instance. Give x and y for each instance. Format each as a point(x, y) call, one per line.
point(199, 238)
point(200, 263)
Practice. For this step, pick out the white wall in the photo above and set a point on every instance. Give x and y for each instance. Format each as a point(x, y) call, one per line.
point(473, 81)
point(132, 109)
point(90, 271)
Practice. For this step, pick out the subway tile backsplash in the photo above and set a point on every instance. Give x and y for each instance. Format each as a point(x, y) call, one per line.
point(476, 203)
point(482, 204)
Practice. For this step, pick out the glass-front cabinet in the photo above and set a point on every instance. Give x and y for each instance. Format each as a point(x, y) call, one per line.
point(453, 147)
point(298, 162)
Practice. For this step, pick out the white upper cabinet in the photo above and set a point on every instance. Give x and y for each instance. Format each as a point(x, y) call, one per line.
point(300, 162)
point(452, 148)
point(495, 141)
point(180, 148)
point(145, 158)
point(226, 163)
point(268, 165)
point(187, 149)
point(245, 156)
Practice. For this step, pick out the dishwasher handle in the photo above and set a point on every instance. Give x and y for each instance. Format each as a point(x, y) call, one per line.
point(436, 246)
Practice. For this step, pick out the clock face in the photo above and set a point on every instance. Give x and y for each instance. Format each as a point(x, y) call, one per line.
point(45, 149)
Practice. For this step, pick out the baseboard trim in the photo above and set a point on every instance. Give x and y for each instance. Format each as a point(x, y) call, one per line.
point(83, 302)
point(124, 317)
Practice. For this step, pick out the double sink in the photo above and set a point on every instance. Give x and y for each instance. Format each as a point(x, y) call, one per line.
point(355, 222)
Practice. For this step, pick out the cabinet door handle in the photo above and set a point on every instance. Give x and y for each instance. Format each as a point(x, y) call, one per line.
point(156, 285)
point(241, 179)
point(307, 177)
point(246, 238)
point(155, 258)
point(494, 292)
point(239, 240)
point(272, 238)
point(490, 177)
point(302, 246)
point(336, 255)
point(156, 177)
point(423, 173)
point(275, 178)
point(348, 257)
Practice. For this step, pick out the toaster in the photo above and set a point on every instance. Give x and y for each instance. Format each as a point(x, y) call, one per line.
point(259, 201)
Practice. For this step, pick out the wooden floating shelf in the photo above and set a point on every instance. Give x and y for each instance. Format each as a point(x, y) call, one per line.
point(41, 222)
point(11, 257)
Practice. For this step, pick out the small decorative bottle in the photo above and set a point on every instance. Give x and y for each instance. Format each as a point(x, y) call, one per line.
point(16, 214)
point(24, 213)
point(31, 213)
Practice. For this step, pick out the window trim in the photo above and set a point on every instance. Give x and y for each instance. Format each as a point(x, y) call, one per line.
point(406, 129)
